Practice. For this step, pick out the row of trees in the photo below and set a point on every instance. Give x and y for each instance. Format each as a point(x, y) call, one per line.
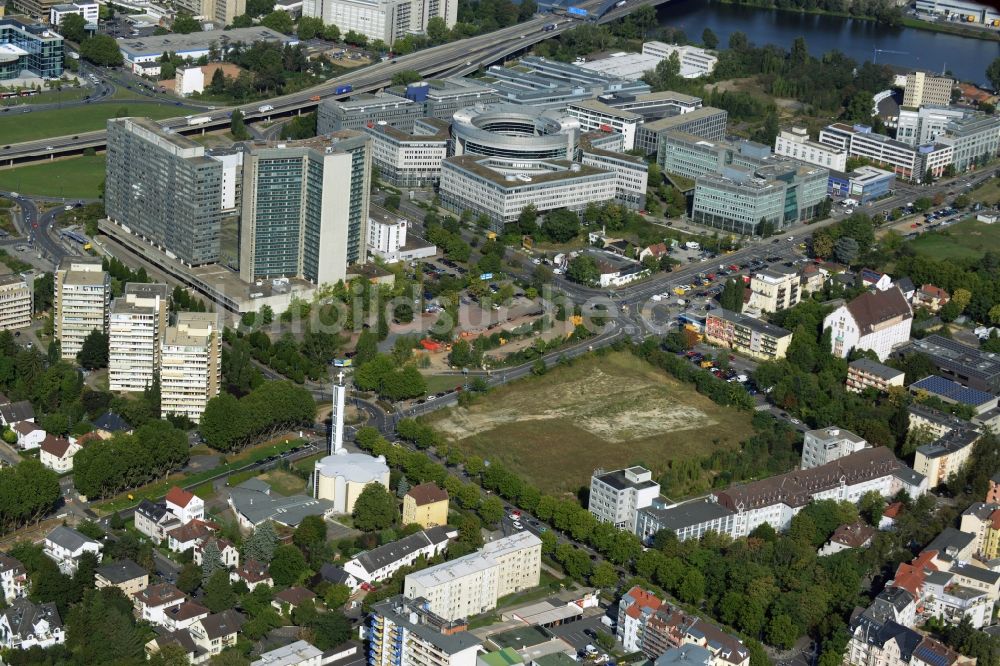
point(106, 468)
point(230, 423)
point(28, 492)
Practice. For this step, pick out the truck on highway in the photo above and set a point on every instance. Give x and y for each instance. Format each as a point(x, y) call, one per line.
point(265, 108)
point(344, 89)
point(198, 120)
point(577, 11)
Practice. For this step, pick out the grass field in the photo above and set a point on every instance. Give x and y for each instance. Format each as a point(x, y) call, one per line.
point(73, 178)
point(609, 411)
point(17, 127)
point(283, 483)
point(968, 239)
point(988, 193)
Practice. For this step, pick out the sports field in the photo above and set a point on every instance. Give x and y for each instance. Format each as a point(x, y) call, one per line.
point(16, 127)
point(608, 412)
point(72, 178)
point(968, 239)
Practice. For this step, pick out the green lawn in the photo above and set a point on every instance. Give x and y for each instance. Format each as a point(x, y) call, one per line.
point(17, 127)
point(438, 383)
point(968, 239)
point(73, 178)
point(67, 94)
point(988, 193)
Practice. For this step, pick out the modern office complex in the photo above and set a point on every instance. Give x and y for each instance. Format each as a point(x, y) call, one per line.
point(386, 20)
point(495, 188)
point(595, 115)
point(743, 200)
point(163, 188)
point(616, 497)
point(974, 138)
point(405, 632)
point(409, 159)
point(190, 364)
point(916, 127)
point(514, 132)
point(906, 161)
point(472, 584)
point(362, 110)
point(16, 302)
point(823, 446)
point(87, 9)
point(32, 48)
point(652, 106)
point(864, 184)
point(797, 145)
point(747, 335)
point(695, 61)
point(924, 89)
point(142, 54)
point(305, 208)
point(135, 332)
point(605, 151)
point(548, 84)
point(690, 155)
point(441, 98)
point(83, 294)
point(706, 122)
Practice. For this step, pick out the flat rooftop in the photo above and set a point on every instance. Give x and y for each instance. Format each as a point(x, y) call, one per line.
point(199, 41)
point(559, 170)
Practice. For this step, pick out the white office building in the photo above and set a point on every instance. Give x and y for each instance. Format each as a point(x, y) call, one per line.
point(386, 233)
point(695, 61)
point(827, 445)
point(631, 171)
point(472, 584)
point(916, 127)
point(190, 364)
point(135, 332)
point(88, 10)
point(797, 145)
point(409, 159)
point(597, 116)
point(83, 294)
point(616, 497)
point(910, 162)
point(386, 20)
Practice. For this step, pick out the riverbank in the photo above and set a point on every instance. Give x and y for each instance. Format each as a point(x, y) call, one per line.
point(958, 29)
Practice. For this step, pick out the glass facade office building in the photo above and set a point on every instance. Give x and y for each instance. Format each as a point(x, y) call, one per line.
point(32, 48)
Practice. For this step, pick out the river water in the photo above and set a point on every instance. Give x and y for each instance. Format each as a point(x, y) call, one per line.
point(965, 57)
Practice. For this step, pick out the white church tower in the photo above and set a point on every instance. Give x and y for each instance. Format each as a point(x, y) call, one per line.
point(337, 416)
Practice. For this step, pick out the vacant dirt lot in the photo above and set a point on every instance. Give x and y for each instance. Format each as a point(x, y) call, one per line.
point(602, 412)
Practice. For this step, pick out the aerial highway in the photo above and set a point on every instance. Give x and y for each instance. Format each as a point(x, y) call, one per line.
point(454, 58)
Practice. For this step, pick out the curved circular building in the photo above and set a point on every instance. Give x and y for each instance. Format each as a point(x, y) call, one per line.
point(342, 476)
point(514, 132)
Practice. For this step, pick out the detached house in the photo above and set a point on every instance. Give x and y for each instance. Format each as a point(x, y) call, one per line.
point(65, 546)
point(13, 578)
point(29, 435)
point(153, 603)
point(126, 575)
point(184, 538)
point(25, 625)
point(154, 520)
point(184, 504)
point(184, 615)
point(16, 412)
point(930, 297)
point(57, 453)
point(253, 573)
point(875, 320)
point(217, 632)
point(227, 551)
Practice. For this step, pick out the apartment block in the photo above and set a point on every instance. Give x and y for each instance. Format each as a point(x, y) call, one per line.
point(924, 89)
point(983, 520)
point(426, 505)
point(967, 365)
point(797, 145)
point(164, 189)
point(472, 584)
point(16, 302)
point(616, 497)
point(305, 208)
point(747, 335)
point(866, 373)
point(943, 457)
point(409, 159)
point(191, 364)
point(218, 11)
point(82, 298)
point(135, 332)
point(386, 20)
point(773, 290)
point(827, 445)
point(405, 632)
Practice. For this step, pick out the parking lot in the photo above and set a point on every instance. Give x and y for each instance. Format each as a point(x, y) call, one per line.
point(581, 633)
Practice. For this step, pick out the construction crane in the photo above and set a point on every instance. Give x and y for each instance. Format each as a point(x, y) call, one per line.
point(875, 53)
